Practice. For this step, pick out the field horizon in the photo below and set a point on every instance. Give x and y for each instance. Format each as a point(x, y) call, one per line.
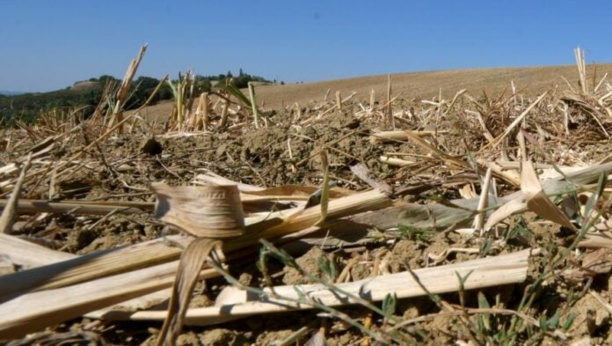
point(528, 81)
point(429, 84)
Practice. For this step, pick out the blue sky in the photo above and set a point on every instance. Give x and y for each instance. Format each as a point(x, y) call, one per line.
point(47, 45)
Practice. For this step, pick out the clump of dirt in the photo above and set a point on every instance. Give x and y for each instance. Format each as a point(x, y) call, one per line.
point(269, 338)
point(222, 337)
point(405, 253)
point(592, 319)
point(309, 263)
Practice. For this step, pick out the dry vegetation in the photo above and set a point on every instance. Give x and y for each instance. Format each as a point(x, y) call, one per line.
point(384, 217)
point(529, 81)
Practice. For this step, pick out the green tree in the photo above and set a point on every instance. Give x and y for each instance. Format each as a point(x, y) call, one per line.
point(202, 84)
point(143, 88)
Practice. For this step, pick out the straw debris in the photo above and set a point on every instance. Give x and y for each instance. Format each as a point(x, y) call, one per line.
point(435, 220)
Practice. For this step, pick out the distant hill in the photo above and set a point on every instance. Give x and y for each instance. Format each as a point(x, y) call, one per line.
point(417, 85)
point(85, 95)
point(426, 85)
point(29, 106)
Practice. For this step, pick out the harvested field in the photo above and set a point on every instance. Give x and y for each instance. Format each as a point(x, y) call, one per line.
point(379, 219)
point(529, 81)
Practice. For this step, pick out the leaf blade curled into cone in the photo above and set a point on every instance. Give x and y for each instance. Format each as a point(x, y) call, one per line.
point(209, 213)
point(537, 200)
point(202, 211)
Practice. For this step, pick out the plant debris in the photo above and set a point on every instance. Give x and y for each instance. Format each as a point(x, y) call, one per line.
point(476, 220)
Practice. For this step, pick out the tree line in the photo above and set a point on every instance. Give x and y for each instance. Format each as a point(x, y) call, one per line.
point(86, 95)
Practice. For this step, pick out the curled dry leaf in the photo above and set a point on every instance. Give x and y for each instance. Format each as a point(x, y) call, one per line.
point(202, 211)
point(538, 201)
point(207, 212)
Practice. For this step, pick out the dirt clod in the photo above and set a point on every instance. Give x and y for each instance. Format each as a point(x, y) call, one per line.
point(223, 337)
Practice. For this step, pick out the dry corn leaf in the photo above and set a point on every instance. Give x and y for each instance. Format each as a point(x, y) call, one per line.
point(202, 211)
point(537, 200)
point(516, 202)
point(506, 210)
point(192, 260)
point(208, 212)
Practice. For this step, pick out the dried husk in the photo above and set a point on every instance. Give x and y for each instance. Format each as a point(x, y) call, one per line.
point(202, 211)
point(209, 213)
